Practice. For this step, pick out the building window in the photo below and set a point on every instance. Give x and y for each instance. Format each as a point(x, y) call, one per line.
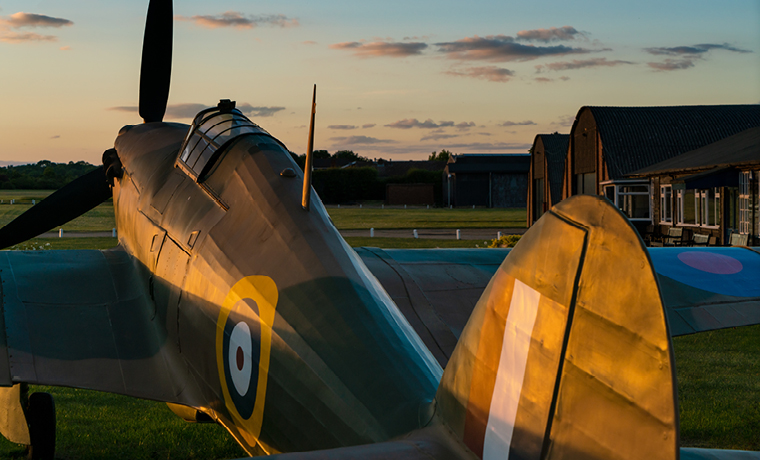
point(632, 199)
point(698, 207)
point(538, 198)
point(709, 208)
point(585, 184)
point(666, 204)
point(745, 215)
point(687, 207)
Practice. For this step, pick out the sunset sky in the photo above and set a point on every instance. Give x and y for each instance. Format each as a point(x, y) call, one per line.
point(396, 79)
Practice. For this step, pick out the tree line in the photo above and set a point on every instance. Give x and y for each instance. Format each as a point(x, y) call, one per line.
point(334, 185)
point(44, 175)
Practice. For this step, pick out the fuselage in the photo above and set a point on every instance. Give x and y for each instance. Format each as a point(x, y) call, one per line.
point(292, 342)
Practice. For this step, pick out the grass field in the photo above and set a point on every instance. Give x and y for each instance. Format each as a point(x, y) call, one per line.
point(98, 219)
point(353, 217)
point(101, 218)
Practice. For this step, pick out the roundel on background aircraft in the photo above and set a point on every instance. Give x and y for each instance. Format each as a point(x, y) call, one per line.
point(243, 345)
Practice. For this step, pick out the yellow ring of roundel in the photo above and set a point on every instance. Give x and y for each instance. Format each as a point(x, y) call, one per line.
point(263, 291)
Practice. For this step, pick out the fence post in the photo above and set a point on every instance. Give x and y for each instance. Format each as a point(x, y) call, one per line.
point(60, 233)
point(498, 235)
point(415, 233)
point(113, 233)
point(459, 235)
point(371, 232)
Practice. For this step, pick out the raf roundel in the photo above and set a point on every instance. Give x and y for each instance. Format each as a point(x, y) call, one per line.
point(242, 338)
point(243, 347)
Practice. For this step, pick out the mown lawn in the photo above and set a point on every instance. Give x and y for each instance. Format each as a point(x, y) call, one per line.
point(719, 388)
point(412, 243)
point(100, 218)
point(354, 217)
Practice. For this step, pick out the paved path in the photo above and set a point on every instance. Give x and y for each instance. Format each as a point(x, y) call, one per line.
point(437, 233)
point(433, 233)
point(73, 234)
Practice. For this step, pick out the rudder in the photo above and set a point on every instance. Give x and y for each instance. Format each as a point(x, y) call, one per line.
point(567, 353)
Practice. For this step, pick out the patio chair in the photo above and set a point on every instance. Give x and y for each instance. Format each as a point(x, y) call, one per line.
point(738, 239)
point(700, 239)
point(674, 237)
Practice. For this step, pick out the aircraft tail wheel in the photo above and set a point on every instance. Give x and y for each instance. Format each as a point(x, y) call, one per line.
point(41, 417)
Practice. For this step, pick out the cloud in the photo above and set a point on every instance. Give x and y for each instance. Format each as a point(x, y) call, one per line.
point(124, 108)
point(354, 140)
point(368, 125)
point(184, 110)
point(502, 48)
point(684, 57)
point(543, 79)
point(490, 146)
point(309, 42)
point(342, 127)
point(239, 20)
point(694, 50)
point(190, 110)
point(671, 64)
point(550, 34)
point(21, 19)
point(490, 73)
point(436, 137)
point(581, 64)
point(248, 109)
point(14, 37)
point(566, 120)
point(517, 123)
point(379, 48)
point(65, 48)
point(464, 126)
point(57, 136)
point(408, 123)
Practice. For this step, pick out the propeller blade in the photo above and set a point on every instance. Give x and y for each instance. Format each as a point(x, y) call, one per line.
point(70, 201)
point(156, 67)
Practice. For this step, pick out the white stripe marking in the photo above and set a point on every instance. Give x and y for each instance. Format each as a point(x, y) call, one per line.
point(509, 379)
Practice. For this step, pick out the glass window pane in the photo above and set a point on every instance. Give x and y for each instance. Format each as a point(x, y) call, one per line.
point(589, 184)
point(689, 209)
point(609, 192)
point(634, 206)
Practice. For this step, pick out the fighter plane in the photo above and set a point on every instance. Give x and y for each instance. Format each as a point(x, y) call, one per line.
point(233, 298)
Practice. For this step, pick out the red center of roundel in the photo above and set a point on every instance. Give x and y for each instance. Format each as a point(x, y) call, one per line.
point(240, 358)
point(710, 262)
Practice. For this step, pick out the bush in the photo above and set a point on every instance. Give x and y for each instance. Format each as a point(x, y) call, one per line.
point(506, 241)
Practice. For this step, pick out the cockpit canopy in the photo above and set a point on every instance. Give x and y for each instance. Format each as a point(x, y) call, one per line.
point(211, 133)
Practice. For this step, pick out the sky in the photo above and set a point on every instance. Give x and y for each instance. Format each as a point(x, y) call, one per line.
point(395, 79)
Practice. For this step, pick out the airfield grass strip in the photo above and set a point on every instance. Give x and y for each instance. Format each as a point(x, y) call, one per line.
point(412, 243)
point(353, 217)
point(100, 218)
point(719, 388)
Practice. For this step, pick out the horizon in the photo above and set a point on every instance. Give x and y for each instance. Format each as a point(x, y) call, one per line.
point(477, 78)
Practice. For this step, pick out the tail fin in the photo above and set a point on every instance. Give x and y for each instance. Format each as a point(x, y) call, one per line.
point(567, 354)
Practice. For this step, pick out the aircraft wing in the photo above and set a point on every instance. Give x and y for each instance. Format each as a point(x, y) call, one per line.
point(84, 319)
point(702, 288)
